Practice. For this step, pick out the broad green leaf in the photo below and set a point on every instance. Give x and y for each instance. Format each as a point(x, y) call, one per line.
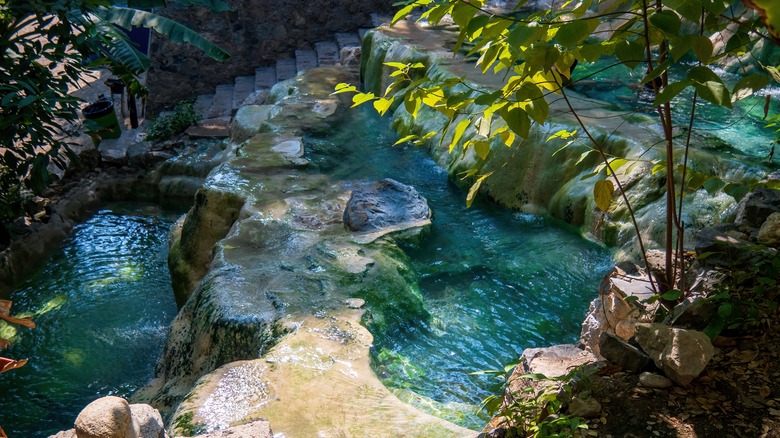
point(412, 103)
point(382, 105)
point(724, 310)
point(474, 188)
point(773, 71)
point(460, 128)
point(670, 91)
point(659, 167)
point(690, 9)
point(362, 98)
point(667, 21)
point(715, 92)
point(713, 185)
point(703, 74)
point(672, 295)
point(482, 148)
point(738, 43)
point(736, 191)
point(462, 13)
point(534, 103)
point(344, 88)
point(26, 101)
point(748, 85)
point(486, 99)
point(176, 32)
point(630, 52)
point(602, 192)
point(702, 48)
point(520, 36)
point(575, 32)
point(616, 164)
point(583, 156)
point(403, 12)
point(681, 45)
point(517, 120)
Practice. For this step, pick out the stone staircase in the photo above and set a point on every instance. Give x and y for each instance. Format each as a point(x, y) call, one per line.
point(218, 108)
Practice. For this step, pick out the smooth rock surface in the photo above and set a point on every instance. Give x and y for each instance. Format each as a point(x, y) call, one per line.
point(248, 121)
point(681, 354)
point(385, 206)
point(652, 380)
point(107, 417)
point(584, 407)
point(149, 421)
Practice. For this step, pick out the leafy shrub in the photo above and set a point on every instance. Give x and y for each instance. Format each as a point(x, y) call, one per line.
point(168, 125)
point(11, 201)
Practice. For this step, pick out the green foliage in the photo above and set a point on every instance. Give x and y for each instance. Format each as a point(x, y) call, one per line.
point(534, 414)
point(168, 125)
point(46, 47)
point(10, 203)
point(745, 296)
point(535, 53)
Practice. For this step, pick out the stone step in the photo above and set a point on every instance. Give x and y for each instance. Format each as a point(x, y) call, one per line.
point(244, 86)
point(222, 106)
point(348, 39)
point(327, 53)
point(305, 60)
point(285, 69)
point(203, 104)
point(265, 77)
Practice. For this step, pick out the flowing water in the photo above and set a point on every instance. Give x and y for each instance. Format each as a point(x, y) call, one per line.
point(102, 306)
point(743, 128)
point(495, 282)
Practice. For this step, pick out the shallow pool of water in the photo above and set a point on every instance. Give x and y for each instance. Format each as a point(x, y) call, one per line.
point(102, 305)
point(495, 282)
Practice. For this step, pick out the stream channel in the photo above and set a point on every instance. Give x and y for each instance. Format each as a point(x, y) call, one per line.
point(495, 282)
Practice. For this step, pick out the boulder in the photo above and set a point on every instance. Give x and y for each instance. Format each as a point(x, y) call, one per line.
point(584, 407)
point(623, 354)
point(756, 207)
point(769, 234)
point(612, 312)
point(724, 250)
point(149, 421)
point(681, 354)
point(248, 121)
point(107, 417)
point(652, 380)
point(382, 207)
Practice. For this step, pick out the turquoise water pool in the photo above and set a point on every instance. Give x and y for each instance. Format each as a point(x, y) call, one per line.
point(495, 282)
point(102, 306)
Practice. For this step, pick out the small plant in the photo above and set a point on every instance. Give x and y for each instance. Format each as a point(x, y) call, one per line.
point(168, 125)
point(536, 413)
point(744, 297)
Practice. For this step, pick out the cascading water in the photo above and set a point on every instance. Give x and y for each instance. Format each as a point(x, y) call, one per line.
point(102, 306)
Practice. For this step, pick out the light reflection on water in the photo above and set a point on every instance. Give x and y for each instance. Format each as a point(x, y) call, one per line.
point(495, 282)
point(102, 306)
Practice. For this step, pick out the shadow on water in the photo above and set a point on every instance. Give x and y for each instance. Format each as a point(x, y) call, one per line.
point(102, 306)
point(495, 282)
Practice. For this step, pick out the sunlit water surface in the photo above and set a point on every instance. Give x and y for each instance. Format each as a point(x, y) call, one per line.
point(495, 282)
point(102, 306)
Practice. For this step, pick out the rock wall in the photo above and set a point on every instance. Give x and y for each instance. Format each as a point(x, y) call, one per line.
point(256, 33)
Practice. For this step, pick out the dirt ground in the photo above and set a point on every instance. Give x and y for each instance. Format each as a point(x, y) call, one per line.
point(738, 394)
